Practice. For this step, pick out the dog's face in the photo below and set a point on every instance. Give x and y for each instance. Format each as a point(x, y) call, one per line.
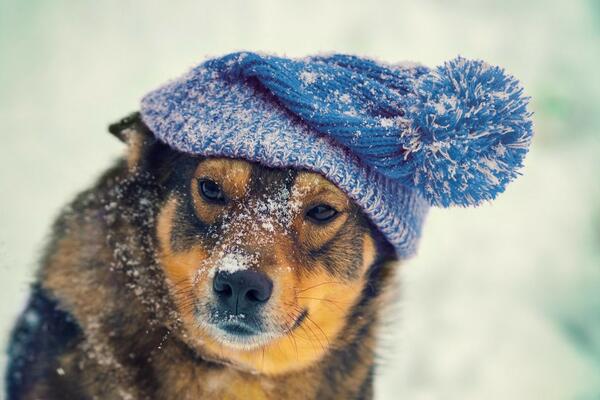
point(264, 265)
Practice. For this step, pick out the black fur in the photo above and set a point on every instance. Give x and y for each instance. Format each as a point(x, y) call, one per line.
point(42, 332)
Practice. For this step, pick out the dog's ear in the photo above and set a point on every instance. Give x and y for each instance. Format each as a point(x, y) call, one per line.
point(138, 137)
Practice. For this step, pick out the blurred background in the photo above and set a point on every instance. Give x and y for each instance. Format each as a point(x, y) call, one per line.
point(502, 302)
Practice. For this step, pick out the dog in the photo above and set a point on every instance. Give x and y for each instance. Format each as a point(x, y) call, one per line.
point(178, 276)
point(244, 247)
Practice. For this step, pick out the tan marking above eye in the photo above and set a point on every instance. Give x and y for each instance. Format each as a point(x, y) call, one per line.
point(311, 189)
point(232, 176)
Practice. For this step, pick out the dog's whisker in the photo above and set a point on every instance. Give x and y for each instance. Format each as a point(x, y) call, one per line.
point(320, 284)
point(327, 301)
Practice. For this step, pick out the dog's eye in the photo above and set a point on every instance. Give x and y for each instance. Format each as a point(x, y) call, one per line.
point(211, 191)
point(321, 214)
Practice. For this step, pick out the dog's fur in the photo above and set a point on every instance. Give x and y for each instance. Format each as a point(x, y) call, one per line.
point(121, 306)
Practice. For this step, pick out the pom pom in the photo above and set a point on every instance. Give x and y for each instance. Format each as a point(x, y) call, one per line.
point(468, 132)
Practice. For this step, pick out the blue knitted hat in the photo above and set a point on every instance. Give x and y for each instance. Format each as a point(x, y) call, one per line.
point(395, 138)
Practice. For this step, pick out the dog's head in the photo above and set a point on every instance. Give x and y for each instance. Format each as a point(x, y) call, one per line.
point(264, 265)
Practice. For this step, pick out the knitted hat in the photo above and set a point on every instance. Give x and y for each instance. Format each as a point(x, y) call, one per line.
point(395, 138)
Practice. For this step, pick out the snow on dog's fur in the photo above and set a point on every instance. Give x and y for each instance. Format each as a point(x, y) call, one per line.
point(127, 304)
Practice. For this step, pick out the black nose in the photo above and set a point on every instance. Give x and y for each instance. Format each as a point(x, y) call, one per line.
point(242, 291)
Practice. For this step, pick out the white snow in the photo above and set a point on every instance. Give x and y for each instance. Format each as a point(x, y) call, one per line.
point(308, 77)
point(386, 122)
point(233, 262)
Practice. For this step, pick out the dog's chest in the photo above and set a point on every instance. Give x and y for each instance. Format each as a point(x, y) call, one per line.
point(221, 383)
point(230, 386)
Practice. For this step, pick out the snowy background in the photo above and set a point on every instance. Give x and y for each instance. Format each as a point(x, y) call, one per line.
point(503, 302)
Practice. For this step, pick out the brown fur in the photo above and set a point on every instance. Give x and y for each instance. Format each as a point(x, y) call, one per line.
point(130, 261)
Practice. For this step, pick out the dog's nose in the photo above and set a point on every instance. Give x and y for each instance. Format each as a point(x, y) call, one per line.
point(242, 290)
